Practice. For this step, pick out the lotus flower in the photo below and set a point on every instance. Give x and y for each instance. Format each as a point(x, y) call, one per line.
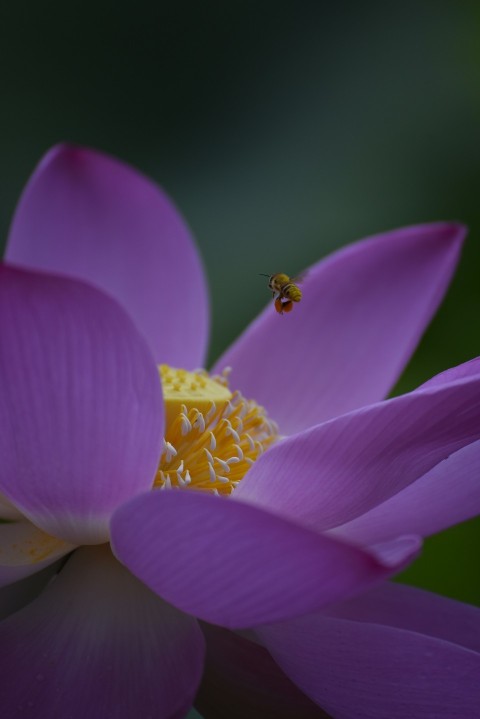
point(276, 499)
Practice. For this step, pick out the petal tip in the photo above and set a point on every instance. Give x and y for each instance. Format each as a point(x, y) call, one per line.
point(62, 150)
point(69, 154)
point(454, 232)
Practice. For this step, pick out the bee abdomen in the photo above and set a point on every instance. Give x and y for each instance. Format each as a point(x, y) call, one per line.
point(292, 292)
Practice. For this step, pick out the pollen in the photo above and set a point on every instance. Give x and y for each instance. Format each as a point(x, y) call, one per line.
point(212, 436)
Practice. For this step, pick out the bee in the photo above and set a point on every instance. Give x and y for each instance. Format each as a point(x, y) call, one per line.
point(284, 290)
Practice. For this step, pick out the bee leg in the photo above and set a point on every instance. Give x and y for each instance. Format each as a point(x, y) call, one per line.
point(288, 306)
point(279, 306)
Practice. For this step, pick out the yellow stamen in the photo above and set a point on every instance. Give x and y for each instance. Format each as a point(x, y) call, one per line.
point(212, 435)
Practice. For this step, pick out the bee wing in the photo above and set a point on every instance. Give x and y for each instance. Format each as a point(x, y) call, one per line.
point(298, 279)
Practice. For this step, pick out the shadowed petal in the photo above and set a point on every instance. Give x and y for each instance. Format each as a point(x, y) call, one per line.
point(363, 670)
point(242, 680)
point(361, 316)
point(404, 607)
point(232, 564)
point(8, 510)
point(18, 594)
point(90, 216)
point(81, 414)
point(98, 643)
point(25, 550)
point(339, 470)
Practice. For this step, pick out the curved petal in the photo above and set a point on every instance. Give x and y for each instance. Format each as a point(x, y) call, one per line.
point(8, 510)
point(339, 470)
point(232, 564)
point(25, 550)
point(404, 607)
point(362, 313)
point(81, 416)
point(461, 371)
point(241, 680)
point(360, 670)
point(19, 594)
point(98, 643)
point(446, 495)
point(90, 216)
point(398, 551)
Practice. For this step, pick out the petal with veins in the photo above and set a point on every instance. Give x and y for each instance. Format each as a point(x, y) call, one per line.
point(87, 215)
point(359, 669)
point(364, 309)
point(336, 471)
point(81, 415)
point(97, 642)
point(233, 564)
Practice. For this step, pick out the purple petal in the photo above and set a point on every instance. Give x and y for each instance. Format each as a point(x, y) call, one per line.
point(242, 680)
point(404, 607)
point(339, 470)
point(232, 564)
point(81, 416)
point(90, 216)
point(398, 551)
point(446, 495)
point(19, 594)
point(361, 316)
point(25, 550)
point(467, 369)
point(98, 643)
point(363, 670)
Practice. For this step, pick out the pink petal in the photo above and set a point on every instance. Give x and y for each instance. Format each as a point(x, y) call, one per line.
point(404, 607)
point(25, 550)
point(90, 216)
point(467, 369)
point(242, 680)
point(97, 643)
point(361, 316)
point(232, 564)
point(339, 470)
point(81, 416)
point(365, 670)
point(446, 495)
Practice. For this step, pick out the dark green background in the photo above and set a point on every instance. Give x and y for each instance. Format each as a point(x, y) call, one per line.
point(282, 130)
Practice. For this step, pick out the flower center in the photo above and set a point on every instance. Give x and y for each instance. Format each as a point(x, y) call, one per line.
point(212, 435)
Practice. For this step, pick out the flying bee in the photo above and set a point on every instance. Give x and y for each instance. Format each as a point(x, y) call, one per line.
point(284, 290)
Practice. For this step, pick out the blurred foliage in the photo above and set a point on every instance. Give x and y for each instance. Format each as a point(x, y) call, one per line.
point(283, 130)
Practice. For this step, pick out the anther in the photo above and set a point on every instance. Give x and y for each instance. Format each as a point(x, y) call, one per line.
point(199, 422)
point(209, 455)
point(211, 411)
point(223, 464)
point(239, 452)
point(230, 432)
point(169, 450)
point(186, 425)
point(212, 474)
